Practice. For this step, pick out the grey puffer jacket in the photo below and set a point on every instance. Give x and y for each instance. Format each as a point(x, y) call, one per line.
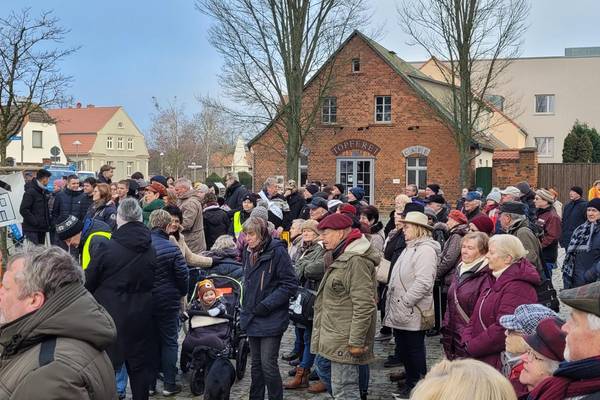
point(78, 367)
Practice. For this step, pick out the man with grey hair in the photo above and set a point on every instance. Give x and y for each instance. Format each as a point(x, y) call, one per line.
point(513, 221)
point(121, 278)
point(190, 203)
point(170, 286)
point(53, 333)
point(278, 207)
point(235, 192)
point(578, 377)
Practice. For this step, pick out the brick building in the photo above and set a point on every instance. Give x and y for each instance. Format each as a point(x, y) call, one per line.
point(383, 125)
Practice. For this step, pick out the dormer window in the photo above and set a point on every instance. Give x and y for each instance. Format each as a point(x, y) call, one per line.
point(355, 65)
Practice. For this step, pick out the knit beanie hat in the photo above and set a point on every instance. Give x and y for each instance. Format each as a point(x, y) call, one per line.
point(545, 195)
point(340, 187)
point(458, 216)
point(577, 190)
point(311, 225)
point(69, 227)
point(483, 223)
point(594, 203)
point(358, 192)
point(260, 212)
point(435, 188)
point(205, 286)
point(251, 197)
point(494, 195)
point(524, 187)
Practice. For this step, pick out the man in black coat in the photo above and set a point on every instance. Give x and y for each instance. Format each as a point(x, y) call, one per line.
point(106, 173)
point(70, 201)
point(235, 192)
point(574, 214)
point(121, 278)
point(34, 208)
point(216, 221)
point(296, 202)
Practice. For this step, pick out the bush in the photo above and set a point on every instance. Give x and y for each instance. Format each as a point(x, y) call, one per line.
point(578, 147)
point(212, 178)
point(245, 179)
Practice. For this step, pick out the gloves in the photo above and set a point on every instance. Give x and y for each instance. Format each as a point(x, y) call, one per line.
point(213, 312)
point(261, 310)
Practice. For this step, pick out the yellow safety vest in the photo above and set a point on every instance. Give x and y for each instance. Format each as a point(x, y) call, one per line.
point(85, 255)
point(237, 224)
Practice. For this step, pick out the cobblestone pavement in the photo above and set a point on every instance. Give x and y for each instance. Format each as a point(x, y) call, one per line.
point(380, 386)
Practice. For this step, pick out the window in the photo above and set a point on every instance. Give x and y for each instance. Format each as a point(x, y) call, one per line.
point(383, 108)
point(303, 168)
point(496, 100)
point(416, 171)
point(545, 146)
point(119, 143)
point(129, 143)
point(544, 103)
point(129, 168)
point(120, 125)
point(356, 65)
point(36, 139)
point(109, 142)
point(329, 113)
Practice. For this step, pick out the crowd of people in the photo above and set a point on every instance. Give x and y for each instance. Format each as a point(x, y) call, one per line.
point(477, 273)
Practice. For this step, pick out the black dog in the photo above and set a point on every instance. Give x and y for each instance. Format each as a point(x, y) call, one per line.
point(220, 376)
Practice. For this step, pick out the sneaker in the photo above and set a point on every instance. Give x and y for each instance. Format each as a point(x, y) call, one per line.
point(392, 362)
point(170, 390)
point(382, 337)
point(152, 391)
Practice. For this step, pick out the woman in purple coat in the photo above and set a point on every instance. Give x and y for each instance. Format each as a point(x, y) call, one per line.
point(512, 281)
point(468, 278)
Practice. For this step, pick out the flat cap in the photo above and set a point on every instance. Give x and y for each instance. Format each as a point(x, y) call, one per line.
point(585, 298)
point(513, 207)
point(436, 198)
point(335, 221)
point(473, 196)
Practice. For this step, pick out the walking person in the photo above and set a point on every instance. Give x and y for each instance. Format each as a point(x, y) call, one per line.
point(269, 282)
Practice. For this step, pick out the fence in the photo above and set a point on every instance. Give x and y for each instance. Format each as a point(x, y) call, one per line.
point(565, 176)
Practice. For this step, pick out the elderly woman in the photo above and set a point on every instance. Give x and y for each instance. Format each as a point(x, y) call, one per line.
point(295, 243)
point(467, 281)
point(170, 285)
point(103, 208)
point(512, 282)
point(223, 254)
point(399, 203)
point(369, 216)
point(409, 303)
point(583, 253)
point(269, 282)
point(545, 352)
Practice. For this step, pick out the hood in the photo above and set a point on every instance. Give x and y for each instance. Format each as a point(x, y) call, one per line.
point(361, 247)
point(426, 241)
point(521, 270)
point(133, 235)
point(461, 230)
point(72, 313)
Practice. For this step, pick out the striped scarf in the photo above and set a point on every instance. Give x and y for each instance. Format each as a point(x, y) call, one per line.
point(581, 241)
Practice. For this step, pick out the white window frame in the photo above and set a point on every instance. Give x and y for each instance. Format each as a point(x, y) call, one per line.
point(549, 103)
point(329, 117)
point(383, 113)
point(355, 64)
point(111, 163)
point(419, 169)
point(33, 133)
point(120, 143)
point(129, 168)
point(130, 144)
point(545, 146)
point(109, 142)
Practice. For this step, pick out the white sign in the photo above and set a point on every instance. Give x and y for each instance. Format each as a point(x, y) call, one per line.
point(10, 201)
point(422, 150)
point(396, 181)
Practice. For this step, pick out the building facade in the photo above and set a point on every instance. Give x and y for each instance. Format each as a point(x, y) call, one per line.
point(382, 126)
point(36, 142)
point(93, 136)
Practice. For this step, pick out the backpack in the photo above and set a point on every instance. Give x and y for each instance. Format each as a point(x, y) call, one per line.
point(440, 235)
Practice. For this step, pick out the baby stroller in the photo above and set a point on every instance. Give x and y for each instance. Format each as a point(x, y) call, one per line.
point(237, 347)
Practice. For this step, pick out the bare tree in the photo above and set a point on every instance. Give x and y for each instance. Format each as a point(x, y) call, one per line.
point(213, 134)
point(475, 40)
point(30, 78)
point(270, 49)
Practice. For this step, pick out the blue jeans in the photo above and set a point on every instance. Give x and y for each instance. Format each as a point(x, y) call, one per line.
point(122, 380)
point(298, 348)
point(324, 371)
point(308, 359)
point(166, 347)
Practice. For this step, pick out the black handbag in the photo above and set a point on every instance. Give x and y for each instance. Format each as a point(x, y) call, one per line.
point(547, 295)
point(301, 308)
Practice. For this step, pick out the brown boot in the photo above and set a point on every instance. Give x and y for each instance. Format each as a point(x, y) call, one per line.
point(317, 387)
point(299, 381)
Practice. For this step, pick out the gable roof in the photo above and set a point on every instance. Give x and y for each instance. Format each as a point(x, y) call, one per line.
point(82, 120)
point(409, 73)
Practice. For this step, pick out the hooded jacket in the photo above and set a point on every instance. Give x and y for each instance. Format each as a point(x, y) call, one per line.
point(484, 336)
point(345, 309)
point(216, 223)
point(411, 284)
point(34, 208)
point(121, 278)
point(190, 204)
point(450, 255)
point(78, 368)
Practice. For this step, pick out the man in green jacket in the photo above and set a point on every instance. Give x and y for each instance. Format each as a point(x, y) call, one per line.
point(345, 310)
point(52, 332)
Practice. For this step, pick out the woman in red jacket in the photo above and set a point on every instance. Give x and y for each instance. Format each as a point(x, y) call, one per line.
point(511, 282)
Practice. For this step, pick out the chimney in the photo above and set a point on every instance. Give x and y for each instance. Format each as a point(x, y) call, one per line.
point(78, 105)
point(90, 106)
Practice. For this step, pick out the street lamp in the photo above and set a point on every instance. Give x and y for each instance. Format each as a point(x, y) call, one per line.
point(194, 167)
point(161, 162)
point(77, 143)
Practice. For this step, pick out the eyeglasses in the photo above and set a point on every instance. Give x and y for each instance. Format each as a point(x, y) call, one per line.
point(532, 356)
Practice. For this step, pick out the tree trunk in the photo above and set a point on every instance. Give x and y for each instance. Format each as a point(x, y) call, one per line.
point(3, 230)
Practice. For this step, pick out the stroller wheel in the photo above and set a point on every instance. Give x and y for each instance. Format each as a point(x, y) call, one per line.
point(197, 382)
point(241, 358)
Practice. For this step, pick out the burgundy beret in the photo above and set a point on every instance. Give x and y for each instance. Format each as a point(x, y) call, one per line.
point(458, 216)
point(335, 221)
point(347, 208)
point(483, 223)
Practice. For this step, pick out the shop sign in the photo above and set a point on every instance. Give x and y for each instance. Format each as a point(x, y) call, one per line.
point(421, 150)
point(355, 144)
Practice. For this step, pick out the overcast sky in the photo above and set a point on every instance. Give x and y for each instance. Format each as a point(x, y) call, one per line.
point(135, 49)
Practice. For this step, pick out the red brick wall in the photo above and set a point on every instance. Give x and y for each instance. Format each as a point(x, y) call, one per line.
point(355, 109)
point(515, 165)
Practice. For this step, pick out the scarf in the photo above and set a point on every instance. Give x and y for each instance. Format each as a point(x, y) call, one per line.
point(572, 378)
point(332, 255)
point(581, 241)
point(478, 263)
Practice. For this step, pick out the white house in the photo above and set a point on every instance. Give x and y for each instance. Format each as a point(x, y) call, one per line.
point(35, 142)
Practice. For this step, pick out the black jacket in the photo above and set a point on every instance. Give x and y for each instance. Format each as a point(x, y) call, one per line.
point(391, 224)
point(296, 203)
point(68, 202)
point(574, 214)
point(170, 275)
point(102, 179)
point(121, 278)
point(106, 213)
point(216, 223)
point(234, 195)
point(34, 208)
